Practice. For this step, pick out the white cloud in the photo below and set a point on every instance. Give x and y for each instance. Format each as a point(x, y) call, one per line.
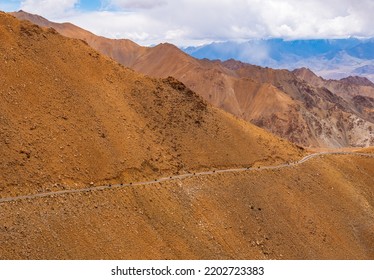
point(49, 8)
point(136, 4)
point(316, 19)
point(192, 22)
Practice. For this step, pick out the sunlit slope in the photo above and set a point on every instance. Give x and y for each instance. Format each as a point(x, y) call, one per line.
point(71, 116)
point(321, 209)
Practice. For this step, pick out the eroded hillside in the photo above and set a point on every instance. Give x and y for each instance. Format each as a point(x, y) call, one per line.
point(71, 116)
point(321, 209)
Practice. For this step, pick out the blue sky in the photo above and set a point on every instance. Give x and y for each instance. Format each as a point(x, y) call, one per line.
point(90, 5)
point(196, 22)
point(83, 5)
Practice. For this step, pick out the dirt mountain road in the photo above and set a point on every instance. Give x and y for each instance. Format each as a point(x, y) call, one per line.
point(175, 177)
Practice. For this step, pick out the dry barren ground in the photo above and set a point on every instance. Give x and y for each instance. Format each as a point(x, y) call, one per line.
point(67, 124)
point(321, 209)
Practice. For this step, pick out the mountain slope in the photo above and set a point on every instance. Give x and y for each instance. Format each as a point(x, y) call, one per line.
point(64, 124)
point(95, 121)
point(124, 51)
point(322, 209)
point(309, 116)
point(358, 92)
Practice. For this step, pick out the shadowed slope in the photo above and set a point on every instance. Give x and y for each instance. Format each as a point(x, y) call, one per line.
point(358, 92)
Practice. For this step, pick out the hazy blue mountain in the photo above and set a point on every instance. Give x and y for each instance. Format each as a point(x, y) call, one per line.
point(364, 50)
point(331, 58)
point(368, 69)
point(278, 49)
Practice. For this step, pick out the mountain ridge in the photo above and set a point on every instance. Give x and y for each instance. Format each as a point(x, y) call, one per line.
point(330, 58)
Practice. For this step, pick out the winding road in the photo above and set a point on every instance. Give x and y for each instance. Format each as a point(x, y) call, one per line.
point(175, 177)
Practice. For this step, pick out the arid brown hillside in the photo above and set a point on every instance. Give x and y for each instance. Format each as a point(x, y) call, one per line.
point(124, 51)
point(346, 87)
point(357, 91)
point(322, 209)
point(72, 116)
point(277, 100)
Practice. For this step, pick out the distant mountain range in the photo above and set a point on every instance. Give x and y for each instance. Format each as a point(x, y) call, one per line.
point(335, 58)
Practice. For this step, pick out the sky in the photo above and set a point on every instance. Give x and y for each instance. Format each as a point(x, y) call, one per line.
point(196, 22)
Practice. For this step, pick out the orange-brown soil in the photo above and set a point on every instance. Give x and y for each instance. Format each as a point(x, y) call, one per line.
point(71, 116)
point(321, 209)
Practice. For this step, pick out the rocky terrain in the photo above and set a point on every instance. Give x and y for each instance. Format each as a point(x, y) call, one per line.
point(319, 210)
point(357, 91)
point(72, 118)
point(93, 121)
point(309, 114)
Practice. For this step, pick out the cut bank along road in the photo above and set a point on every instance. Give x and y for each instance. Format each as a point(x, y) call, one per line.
point(164, 179)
